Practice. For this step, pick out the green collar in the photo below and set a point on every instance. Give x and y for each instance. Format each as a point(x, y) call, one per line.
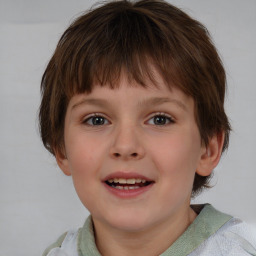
point(206, 224)
point(208, 221)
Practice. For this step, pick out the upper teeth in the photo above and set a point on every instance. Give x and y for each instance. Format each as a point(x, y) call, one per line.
point(126, 181)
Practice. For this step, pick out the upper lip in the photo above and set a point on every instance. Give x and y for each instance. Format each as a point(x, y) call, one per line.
point(126, 175)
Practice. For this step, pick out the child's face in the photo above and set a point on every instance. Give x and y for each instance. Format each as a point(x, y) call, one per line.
point(133, 133)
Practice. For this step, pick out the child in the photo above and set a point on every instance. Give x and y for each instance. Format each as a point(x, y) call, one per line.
point(133, 109)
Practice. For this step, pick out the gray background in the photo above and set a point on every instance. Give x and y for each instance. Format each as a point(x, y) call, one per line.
point(38, 203)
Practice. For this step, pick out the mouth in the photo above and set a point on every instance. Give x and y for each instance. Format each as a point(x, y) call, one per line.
point(128, 184)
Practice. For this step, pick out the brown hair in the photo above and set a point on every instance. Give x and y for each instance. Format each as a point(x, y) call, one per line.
point(131, 36)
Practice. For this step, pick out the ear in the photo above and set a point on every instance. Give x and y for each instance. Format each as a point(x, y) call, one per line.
point(211, 155)
point(62, 161)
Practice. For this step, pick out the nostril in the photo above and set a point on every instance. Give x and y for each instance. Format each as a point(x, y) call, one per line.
point(132, 155)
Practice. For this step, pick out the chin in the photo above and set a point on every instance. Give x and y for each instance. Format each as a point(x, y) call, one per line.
point(129, 222)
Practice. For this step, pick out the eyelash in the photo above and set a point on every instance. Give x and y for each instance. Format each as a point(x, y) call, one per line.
point(168, 118)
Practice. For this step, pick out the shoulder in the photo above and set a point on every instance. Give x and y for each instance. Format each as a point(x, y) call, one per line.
point(65, 245)
point(215, 233)
point(234, 238)
point(56, 244)
point(240, 235)
point(74, 242)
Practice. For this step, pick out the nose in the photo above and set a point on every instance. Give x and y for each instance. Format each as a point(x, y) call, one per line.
point(127, 144)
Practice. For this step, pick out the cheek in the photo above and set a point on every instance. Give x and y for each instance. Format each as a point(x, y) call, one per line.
point(83, 149)
point(177, 155)
point(85, 161)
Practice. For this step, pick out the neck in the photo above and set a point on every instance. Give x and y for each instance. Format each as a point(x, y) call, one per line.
point(151, 241)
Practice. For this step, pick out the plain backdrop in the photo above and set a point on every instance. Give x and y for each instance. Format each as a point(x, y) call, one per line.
point(38, 203)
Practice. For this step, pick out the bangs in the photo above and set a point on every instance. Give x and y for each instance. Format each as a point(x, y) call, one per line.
point(129, 42)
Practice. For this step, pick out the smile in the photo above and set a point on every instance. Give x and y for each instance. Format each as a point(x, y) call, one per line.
point(127, 185)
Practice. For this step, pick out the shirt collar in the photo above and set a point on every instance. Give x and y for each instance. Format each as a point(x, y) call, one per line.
point(208, 221)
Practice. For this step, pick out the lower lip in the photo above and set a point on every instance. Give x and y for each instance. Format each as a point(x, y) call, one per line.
point(132, 193)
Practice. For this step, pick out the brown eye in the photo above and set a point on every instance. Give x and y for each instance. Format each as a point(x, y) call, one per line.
point(160, 119)
point(96, 121)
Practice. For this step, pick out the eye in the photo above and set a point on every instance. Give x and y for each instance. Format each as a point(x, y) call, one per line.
point(160, 119)
point(96, 120)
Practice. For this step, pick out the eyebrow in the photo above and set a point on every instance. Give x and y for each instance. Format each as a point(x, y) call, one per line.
point(145, 102)
point(95, 102)
point(158, 101)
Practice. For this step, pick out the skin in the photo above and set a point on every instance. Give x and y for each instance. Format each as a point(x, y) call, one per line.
point(130, 139)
